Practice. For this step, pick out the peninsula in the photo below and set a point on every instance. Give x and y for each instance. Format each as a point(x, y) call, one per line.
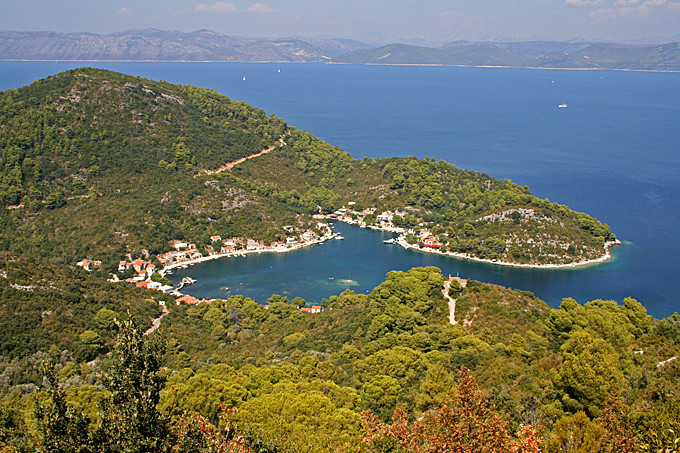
point(102, 166)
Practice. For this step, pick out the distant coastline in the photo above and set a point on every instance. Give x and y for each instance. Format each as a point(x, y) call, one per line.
point(672, 71)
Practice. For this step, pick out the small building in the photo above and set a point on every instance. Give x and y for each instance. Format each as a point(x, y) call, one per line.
point(308, 236)
point(140, 264)
point(431, 242)
point(122, 266)
point(216, 238)
point(252, 244)
point(85, 264)
point(461, 281)
point(316, 309)
point(142, 284)
point(179, 245)
point(385, 217)
point(291, 241)
point(187, 299)
point(228, 247)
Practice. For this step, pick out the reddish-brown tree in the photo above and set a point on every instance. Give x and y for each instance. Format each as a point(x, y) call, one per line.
point(466, 423)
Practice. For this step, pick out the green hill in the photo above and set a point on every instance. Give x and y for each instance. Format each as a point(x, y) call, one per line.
point(98, 164)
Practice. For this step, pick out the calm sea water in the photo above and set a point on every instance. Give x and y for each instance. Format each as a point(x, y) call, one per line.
point(614, 153)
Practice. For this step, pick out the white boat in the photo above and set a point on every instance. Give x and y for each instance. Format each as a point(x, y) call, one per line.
point(563, 105)
point(244, 78)
point(339, 237)
point(390, 241)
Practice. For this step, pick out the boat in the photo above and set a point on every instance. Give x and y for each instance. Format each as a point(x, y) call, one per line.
point(339, 237)
point(225, 288)
point(390, 241)
point(563, 105)
point(244, 78)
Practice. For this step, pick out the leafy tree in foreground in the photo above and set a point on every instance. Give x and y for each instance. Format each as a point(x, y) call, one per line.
point(130, 421)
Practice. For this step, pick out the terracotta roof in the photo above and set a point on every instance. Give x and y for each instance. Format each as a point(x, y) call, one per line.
point(188, 299)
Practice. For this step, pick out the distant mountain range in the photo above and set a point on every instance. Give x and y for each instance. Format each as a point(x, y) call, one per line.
point(205, 45)
point(159, 45)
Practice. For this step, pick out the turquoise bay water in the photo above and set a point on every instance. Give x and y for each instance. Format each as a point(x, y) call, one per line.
point(614, 153)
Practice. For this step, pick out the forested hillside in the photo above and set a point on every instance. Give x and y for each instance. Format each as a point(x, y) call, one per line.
point(98, 164)
point(596, 375)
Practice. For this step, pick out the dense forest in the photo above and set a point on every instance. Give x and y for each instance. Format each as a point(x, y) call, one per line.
point(98, 164)
point(384, 371)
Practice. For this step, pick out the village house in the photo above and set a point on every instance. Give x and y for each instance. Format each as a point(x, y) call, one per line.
point(179, 245)
point(291, 241)
point(228, 247)
point(462, 281)
point(89, 265)
point(216, 238)
point(308, 236)
point(187, 300)
point(252, 244)
point(386, 217)
point(140, 264)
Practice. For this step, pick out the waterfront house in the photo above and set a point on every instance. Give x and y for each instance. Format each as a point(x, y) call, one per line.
point(462, 281)
point(431, 242)
point(308, 236)
point(316, 309)
point(291, 241)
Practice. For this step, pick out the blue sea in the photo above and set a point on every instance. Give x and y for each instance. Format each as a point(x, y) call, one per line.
point(614, 153)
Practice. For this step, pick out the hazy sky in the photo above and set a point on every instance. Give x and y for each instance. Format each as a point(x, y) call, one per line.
point(427, 19)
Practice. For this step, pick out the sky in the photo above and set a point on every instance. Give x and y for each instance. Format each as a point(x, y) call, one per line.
point(429, 21)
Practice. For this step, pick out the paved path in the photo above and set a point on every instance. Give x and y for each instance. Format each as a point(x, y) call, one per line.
point(452, 302)
point(230, 165)
point(157, 322)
